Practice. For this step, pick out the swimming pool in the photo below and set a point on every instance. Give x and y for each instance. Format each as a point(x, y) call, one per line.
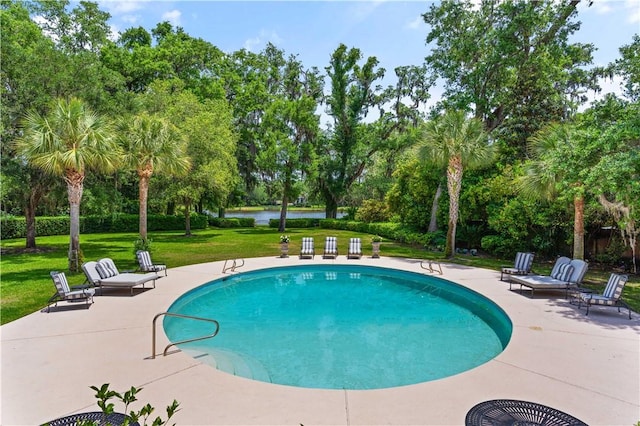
point(340, 326)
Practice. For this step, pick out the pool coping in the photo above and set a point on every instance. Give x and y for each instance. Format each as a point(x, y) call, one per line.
point(587, 366)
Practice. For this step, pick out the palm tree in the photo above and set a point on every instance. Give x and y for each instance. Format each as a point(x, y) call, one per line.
point(557, 160)
point(457, 143)
point(66, 142)
point(152, 145)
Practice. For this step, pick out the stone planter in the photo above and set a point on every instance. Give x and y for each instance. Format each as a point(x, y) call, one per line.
point(284, 249)
point(375, 248)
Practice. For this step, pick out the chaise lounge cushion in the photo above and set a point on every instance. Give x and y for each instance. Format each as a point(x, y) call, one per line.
point(120, 280)
point(565, 274)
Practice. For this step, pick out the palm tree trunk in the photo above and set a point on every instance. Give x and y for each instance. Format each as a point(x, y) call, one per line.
point(142, 198)
point(578, 227)
point(74, 191)
point(433, 223)
point(454, 182)
point(30, 222)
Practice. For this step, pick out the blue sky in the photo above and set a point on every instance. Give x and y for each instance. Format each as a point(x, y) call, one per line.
point(391, 30)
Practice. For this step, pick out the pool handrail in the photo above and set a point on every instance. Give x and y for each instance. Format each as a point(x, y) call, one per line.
point(153, 332)
point(234, 265)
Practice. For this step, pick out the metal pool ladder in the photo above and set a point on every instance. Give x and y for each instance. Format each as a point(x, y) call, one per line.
point(233, 266)
point(171, 314)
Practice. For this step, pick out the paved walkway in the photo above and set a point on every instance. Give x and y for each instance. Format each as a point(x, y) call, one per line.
point(588, 367)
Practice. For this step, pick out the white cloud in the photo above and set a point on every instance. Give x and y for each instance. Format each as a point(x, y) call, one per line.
point(607, 85)
point(119, 7)
point(601, 7)
point(416, 23)
point(173, 16)
point(114, 33)
point(362, 9)
point(262, 39)
point(130, 19)
point(634, 11)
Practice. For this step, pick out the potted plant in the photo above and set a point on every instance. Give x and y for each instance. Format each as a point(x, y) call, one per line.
point(284, 246)
point(375, 246)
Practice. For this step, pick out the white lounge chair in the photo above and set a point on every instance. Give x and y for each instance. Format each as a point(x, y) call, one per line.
point(104, 273)
point(330, 248)
point(521, 266)
point(355, 248)
point(566, 274)
point(146, 265)
point(307, 251)
point(611, 296)
point(64, 293)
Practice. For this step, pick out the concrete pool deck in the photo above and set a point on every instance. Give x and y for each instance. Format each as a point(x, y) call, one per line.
point(587, 366)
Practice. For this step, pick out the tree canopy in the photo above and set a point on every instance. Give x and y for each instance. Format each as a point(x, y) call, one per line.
point(263, 126)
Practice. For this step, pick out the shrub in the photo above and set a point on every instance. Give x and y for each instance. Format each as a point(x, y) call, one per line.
point(296, 223)
point(15, 227)
point(373, 211)
point(232, 222)
point(140, 244)
point(142, 416)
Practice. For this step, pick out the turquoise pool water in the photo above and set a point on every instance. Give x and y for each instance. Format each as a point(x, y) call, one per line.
point(340, 326)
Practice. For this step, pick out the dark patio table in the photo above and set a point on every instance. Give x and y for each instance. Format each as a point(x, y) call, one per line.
point(97, 417)
point(510, 412)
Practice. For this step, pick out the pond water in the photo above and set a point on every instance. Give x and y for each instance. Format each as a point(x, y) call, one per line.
point(262, 217)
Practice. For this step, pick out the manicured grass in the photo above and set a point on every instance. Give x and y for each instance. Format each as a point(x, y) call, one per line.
point(25, 284)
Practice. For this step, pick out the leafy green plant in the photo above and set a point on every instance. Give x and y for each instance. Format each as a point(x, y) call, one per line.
point(104, 395)
point(376, 239)
point(373, 211)
point(142, 244)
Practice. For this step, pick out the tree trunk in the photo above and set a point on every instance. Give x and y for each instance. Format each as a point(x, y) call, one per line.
point(33, 196)
point(578, 227)
point(142, 198)
point(171, 208)
point(454, 182)
point(283, 213)
point(30, 223)
point(221, 212)
point(74, 192)
point(433, 223)
point(330, 208)
point(187, 220)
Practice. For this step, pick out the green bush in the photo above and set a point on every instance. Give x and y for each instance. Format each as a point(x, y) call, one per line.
point(612, 255)
point(389, 230)
point(373, 211)
point(296, 223)
point(497, 245)
point(15, 227)
point(12, 227)
point(232, 222)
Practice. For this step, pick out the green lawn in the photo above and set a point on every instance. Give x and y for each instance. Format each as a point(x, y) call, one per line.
point(25, 284)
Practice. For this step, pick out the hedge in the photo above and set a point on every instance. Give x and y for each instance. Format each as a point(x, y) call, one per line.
point(15, 227)
point(296, 223)
point(389, 230)
point(232, 222)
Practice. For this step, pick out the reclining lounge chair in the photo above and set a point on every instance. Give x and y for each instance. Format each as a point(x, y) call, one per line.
point(146, 265)
point(566, 274)
point(330, 248)
point(611, 296)
point(307, 251)
point(104, 273)
point(355, 248)
point(65, 293)
point(521, 266)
